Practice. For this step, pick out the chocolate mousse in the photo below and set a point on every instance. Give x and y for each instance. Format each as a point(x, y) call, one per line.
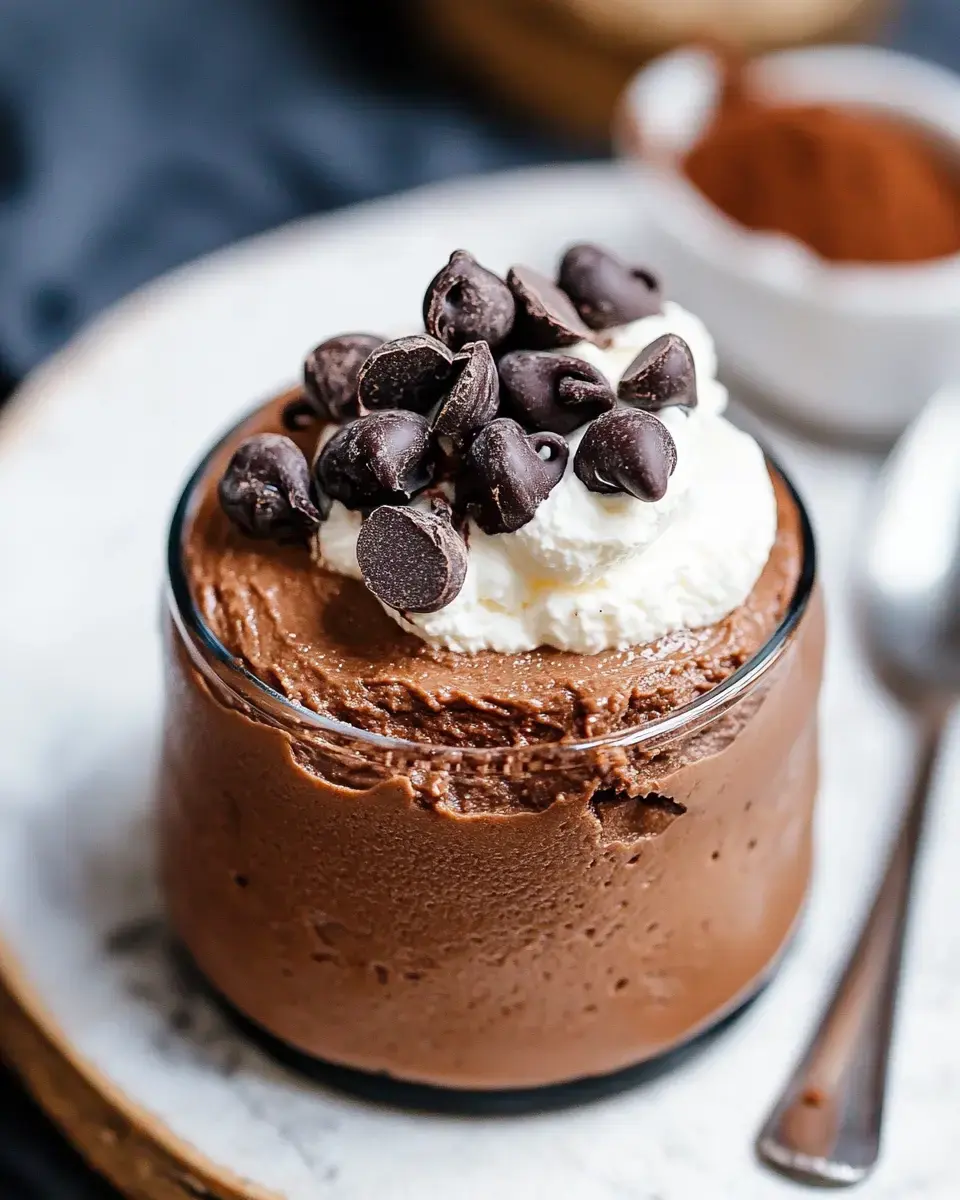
point(422, 544)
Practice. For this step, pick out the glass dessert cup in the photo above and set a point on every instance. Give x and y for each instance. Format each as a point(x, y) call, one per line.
point(493, 918)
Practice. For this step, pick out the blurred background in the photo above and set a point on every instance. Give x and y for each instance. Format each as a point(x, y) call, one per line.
point(136, 136)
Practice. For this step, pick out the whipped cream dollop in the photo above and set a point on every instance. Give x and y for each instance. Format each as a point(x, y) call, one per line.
point(595, 572)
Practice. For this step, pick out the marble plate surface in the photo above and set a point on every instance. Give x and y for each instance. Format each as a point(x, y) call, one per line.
point(92, 452)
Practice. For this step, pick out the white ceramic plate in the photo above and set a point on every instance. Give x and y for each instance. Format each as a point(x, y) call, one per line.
point(91, 456)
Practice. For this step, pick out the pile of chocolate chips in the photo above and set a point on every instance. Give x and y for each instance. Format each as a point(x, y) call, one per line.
point(479, 403)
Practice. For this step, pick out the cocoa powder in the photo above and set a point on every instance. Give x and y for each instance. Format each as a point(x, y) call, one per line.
point(854, 185)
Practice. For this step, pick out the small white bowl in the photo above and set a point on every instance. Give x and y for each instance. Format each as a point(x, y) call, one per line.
point(856, 349)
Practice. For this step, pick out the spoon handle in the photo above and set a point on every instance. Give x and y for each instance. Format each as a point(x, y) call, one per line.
point(825, 1128)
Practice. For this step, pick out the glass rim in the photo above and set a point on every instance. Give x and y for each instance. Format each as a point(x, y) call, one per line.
point(208, 652)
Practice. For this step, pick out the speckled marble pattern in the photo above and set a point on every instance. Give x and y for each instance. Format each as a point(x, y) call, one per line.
point(90, 458)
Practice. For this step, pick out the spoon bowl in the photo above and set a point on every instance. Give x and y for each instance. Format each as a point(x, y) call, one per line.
point(910, 578)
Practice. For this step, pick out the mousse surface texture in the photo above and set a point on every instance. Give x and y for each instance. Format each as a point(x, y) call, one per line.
point(323, 640)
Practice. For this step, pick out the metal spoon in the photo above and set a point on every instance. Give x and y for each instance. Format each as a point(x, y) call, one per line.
point(825, 1129)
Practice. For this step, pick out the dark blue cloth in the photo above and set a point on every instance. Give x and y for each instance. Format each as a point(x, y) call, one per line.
point(929, 28)
point(35, 1162)
point(135, 134)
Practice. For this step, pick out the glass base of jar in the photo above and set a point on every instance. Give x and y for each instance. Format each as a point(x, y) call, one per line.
point(449, 1101)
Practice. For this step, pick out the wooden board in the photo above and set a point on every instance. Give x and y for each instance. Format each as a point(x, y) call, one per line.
point(122, 1141)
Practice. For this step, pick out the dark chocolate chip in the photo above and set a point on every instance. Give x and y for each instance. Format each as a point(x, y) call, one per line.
point(662, 374)
point(555, 392)
point(265, 490)
point(384, 458)
point(627, 450)
point(409, 372)
point(413, 561)
point(467, 303)
point(508, 474)
point(546, 316)
point(605, 290)
point(474, 398)
point(330, 373)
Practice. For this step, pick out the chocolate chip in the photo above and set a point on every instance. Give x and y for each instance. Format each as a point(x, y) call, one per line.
point(330, 373)
point(409, 372)
point(605, 290)
point(626, 450)
point(661, 375)
point(546, 316)
point(265, 490)
point(384, 458)
point(413, 561)
point(556, 392)
point(467, 303)
point(474, 398)
point(508, 474)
